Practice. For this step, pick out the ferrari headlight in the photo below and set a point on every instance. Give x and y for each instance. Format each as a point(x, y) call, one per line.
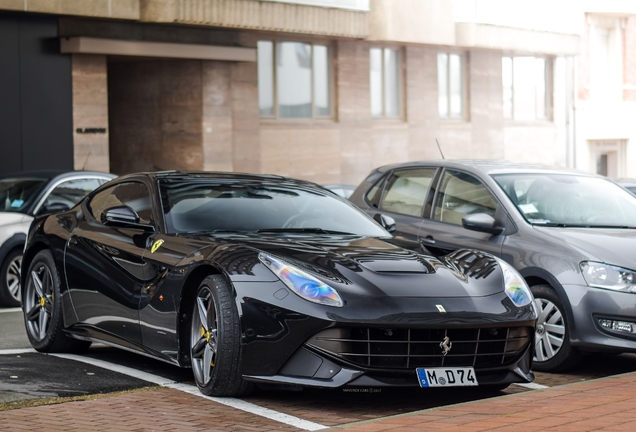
point(600, 275)
point(303, 284)
point(515, 287)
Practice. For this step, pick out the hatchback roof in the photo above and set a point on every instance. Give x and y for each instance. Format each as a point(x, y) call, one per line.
point(487, 166)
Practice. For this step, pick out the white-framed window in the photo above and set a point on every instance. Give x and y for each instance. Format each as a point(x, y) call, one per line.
point(451, 85)
point(294, 80)
point(526, 88)
point(385, 74)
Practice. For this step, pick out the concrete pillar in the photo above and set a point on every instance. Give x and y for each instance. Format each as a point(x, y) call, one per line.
point(217, 116)
point(90, 113)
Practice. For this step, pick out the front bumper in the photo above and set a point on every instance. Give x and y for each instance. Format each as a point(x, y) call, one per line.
point(308, 368)
point(589, 306)
point(279, 343)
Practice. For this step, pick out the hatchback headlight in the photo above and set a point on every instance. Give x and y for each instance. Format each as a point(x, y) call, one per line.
point(601, 275)
point(301, 283)
point(515, 286)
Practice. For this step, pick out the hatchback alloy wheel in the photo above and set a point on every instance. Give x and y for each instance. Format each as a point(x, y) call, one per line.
point(550, 330)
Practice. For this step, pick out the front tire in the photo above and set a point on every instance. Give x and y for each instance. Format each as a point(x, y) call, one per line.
point(41, 299)
point(552, 349)
point(215, 340)
point(10, 292)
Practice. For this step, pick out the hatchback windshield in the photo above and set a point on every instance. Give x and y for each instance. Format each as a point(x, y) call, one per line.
point(209, 206)
point(569, 200)
point(17, 193)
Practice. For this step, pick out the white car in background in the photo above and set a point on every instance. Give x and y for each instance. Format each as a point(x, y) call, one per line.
point(26, 195)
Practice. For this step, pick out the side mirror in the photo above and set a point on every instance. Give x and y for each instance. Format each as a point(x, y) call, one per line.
point(387, 222)
point(121, 214)
point(55, 207)
point(481, 222)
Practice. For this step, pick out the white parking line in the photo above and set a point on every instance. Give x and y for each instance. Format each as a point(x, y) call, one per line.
point(231, 402)
point(8, 310)
point(17, 351)
point(193, 390)
point(533, 386)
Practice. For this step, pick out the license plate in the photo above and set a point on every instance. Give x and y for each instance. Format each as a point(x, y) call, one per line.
point(446, 377)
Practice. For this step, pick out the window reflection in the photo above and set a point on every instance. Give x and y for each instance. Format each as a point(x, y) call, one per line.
point(294, 80)
point(450, 85)
point(525, 88)
point(385, 82)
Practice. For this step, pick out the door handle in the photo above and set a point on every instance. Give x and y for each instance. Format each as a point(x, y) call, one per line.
point(428, 240)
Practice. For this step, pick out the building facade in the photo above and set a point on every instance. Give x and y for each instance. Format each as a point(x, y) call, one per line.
point(323, 90)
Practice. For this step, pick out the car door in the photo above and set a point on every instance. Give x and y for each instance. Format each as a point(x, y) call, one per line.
point(104, 263)
point(402, 195)
point(460, 194)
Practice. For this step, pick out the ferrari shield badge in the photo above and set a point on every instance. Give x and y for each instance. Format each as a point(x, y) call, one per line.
point(156, 245)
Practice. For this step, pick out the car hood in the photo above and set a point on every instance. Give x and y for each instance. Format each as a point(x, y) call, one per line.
point(611, 246)
point(369, 266)
point(10, 218)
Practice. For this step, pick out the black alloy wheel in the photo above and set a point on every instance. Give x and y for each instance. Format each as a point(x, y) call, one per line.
point(215, 349)
point(43, 310)
point(552, 349)
point(10, 279)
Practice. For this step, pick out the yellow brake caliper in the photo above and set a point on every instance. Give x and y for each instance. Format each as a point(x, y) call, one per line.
point(207, 339)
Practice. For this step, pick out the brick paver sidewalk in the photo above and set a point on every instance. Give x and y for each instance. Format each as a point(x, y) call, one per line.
point(605, 404)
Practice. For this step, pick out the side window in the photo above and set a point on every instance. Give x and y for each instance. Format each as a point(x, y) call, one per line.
point(406, 191)
point(373, 195)
point(132, 194)
point(461, 194)
point(69, 193)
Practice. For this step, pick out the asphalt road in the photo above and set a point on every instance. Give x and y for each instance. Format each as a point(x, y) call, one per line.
point(32, 376)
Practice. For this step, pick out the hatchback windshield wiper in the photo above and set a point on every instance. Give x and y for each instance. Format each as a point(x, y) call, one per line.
point(302, 230)
point(563, 225)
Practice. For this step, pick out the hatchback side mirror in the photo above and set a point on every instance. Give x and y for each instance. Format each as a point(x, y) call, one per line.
point(481, 222)
point(387, 222)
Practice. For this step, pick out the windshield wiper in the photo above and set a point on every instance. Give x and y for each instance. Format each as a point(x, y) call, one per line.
point(218, 231)
point(563, 225)
point(302, 230)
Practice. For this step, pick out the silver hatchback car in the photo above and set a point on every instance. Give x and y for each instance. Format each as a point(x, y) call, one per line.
point(571, 235)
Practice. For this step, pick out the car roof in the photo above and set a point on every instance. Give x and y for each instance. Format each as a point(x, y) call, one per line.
point(488, 167)
point(221, 176)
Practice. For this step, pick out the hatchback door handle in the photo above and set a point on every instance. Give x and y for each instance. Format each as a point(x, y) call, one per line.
point(428, 240)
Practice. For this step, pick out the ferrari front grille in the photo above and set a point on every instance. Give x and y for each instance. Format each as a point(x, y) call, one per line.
point(385, 348)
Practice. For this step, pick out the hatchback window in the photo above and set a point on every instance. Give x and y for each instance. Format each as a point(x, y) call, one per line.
point(460, 195)
point(406, 191)
point(569, 200)
point(69, 193)
point(17, 193)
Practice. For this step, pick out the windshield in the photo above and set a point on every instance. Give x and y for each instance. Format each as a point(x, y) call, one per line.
point(16, 194)
point(211, 206)
point(569, 200)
